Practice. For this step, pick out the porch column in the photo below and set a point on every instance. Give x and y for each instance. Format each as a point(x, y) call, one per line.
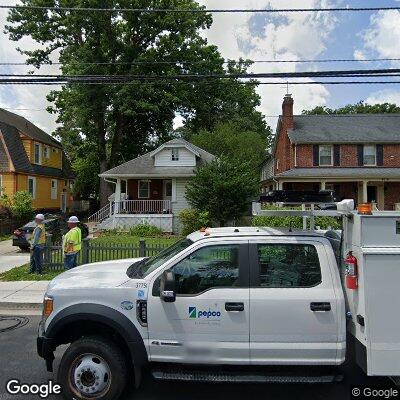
point(117, 196)
point(280, 185)
point(365, 192)
point(323, 185)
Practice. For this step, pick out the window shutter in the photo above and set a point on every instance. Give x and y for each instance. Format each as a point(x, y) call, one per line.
point(336, 155)
point(360, 152)
point(379, 155)
point(315, 155)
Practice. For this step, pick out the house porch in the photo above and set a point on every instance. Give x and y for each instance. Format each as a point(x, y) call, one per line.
point(385, 193)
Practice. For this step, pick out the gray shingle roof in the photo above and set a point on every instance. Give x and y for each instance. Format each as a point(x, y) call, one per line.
point(20, 159)
point(359, 128)
point(144, 165)
point(27, 127)
point(361, 172)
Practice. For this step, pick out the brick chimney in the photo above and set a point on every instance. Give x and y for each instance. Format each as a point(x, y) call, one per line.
point(287, 111)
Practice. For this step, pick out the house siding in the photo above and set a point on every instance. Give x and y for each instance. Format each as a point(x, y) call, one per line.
point(179, 203)
point(186, 158)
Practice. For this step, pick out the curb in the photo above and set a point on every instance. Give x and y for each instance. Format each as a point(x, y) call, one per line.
point(10, 305)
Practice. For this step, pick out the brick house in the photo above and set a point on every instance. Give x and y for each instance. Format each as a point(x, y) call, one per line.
point(358, 156)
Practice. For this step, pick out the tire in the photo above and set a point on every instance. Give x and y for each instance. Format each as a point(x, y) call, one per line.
point(90, 364)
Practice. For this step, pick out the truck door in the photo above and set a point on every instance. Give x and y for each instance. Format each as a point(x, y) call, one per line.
point(297, 314)
point(209, 320)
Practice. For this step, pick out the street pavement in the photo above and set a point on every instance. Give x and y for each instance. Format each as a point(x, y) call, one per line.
point(11, 256)
point(18, 359)
point(22, 293)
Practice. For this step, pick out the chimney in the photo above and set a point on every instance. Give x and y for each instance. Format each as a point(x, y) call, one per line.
point(287, 111)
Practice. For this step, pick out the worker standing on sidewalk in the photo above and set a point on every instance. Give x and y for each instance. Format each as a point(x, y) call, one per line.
point(37, 245)
point(72, 243)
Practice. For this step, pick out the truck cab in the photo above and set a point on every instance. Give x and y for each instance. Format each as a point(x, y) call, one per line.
point(213, 306)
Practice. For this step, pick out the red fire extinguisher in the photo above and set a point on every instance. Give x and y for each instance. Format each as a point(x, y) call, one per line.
point(351, 271)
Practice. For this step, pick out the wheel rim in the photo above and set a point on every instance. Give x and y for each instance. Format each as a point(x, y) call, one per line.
point(90, 376)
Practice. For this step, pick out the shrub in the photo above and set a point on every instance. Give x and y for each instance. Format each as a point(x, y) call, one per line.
point(293, 222)
point(21, 205)
point(192, 220)
point(145, 230)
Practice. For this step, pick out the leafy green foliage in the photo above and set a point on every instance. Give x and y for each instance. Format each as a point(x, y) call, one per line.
point(235, 141)
point(223, 188)
point(21, 205)
point(293, 222)
point(192, 220)
point(358, 108)
point(104, 125)
point(145, 230)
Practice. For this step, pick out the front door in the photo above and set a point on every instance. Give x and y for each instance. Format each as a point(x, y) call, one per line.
point(295, 316)
point(209, 321)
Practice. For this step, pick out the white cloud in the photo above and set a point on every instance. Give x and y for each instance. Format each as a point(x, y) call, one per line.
point(382, 37)
point(384, 96)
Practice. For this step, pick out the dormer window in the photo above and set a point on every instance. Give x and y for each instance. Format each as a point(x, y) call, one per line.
point(175, 154)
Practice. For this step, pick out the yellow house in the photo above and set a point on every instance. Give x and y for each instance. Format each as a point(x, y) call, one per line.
point(32, 160)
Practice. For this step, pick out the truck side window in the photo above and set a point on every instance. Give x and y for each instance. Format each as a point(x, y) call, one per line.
point(288, 265)
point(208, 267)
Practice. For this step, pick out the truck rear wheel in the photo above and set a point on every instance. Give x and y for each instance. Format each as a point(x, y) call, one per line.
point(92, 368)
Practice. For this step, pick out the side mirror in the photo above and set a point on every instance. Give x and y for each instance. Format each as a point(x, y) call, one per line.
point(167, 287)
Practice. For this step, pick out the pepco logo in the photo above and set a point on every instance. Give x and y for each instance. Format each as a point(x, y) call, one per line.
point(193, 313)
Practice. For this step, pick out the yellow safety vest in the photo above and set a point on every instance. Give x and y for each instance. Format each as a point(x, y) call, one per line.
point(72, 240)
point(42, 237)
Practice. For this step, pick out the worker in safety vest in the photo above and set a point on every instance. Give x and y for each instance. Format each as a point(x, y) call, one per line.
point(72, 243)
point(37, 244)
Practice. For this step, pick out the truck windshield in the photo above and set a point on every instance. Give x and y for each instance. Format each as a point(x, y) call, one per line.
point(146, 266)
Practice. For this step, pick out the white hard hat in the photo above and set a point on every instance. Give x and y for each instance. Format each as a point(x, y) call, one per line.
point(73, 220)
point(39, 216)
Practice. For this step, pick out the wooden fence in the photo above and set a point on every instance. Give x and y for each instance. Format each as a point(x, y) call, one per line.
point(93, 252)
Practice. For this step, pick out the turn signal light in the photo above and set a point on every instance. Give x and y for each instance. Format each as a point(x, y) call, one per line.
point(47, 306)
point(365, 208)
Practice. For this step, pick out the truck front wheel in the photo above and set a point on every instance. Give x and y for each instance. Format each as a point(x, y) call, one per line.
point(92, 368)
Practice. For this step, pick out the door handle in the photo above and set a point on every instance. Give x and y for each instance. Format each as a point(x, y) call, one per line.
point(234, 306)
point(320, 306)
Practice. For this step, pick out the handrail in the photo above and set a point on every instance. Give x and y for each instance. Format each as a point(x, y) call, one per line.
point(102, 214)
point(144, 206)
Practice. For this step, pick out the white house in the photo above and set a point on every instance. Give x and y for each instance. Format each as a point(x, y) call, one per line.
point(151, 188)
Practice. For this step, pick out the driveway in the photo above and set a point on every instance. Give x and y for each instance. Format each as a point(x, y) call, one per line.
point(11, 257)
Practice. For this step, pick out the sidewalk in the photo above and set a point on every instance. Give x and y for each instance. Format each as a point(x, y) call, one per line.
point(22, 294)
point(11, 256)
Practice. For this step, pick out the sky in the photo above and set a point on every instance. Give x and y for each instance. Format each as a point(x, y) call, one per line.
point(297, 36)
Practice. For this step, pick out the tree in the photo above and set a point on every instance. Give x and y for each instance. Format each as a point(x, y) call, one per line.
point(117, 122)
point(235, 141)
point(222, 188)
point(358, 108)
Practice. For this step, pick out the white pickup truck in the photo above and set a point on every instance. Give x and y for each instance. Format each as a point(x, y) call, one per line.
point(230, 305)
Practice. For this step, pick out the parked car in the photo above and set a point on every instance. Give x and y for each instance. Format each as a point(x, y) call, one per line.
point(57, 226)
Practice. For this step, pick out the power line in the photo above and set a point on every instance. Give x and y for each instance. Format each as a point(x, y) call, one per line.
point(143, 77)
point(156, 62)
point(197, 10)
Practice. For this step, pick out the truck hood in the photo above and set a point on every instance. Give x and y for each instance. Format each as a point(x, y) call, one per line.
point(103, 274)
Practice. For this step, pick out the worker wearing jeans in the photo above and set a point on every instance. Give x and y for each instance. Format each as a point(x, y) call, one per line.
point(37, 245)
point(72, 243)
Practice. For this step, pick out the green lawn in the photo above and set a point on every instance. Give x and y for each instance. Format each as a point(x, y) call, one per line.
point(4, 237)
point(112, 239)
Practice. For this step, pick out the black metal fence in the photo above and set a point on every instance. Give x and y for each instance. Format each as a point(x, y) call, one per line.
point(94, 252)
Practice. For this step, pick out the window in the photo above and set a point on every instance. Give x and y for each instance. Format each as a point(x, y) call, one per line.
point(54, 189)
point(325, 155)
point(46, 152)
point(206, 268)
point(144, 189)
point(37, 153)
point(175, 154)
point(288, 265)
point(369, 153)
point(32, 186)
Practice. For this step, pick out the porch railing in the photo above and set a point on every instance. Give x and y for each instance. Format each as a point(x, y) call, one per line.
point(143, 207)
point(102, 214)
